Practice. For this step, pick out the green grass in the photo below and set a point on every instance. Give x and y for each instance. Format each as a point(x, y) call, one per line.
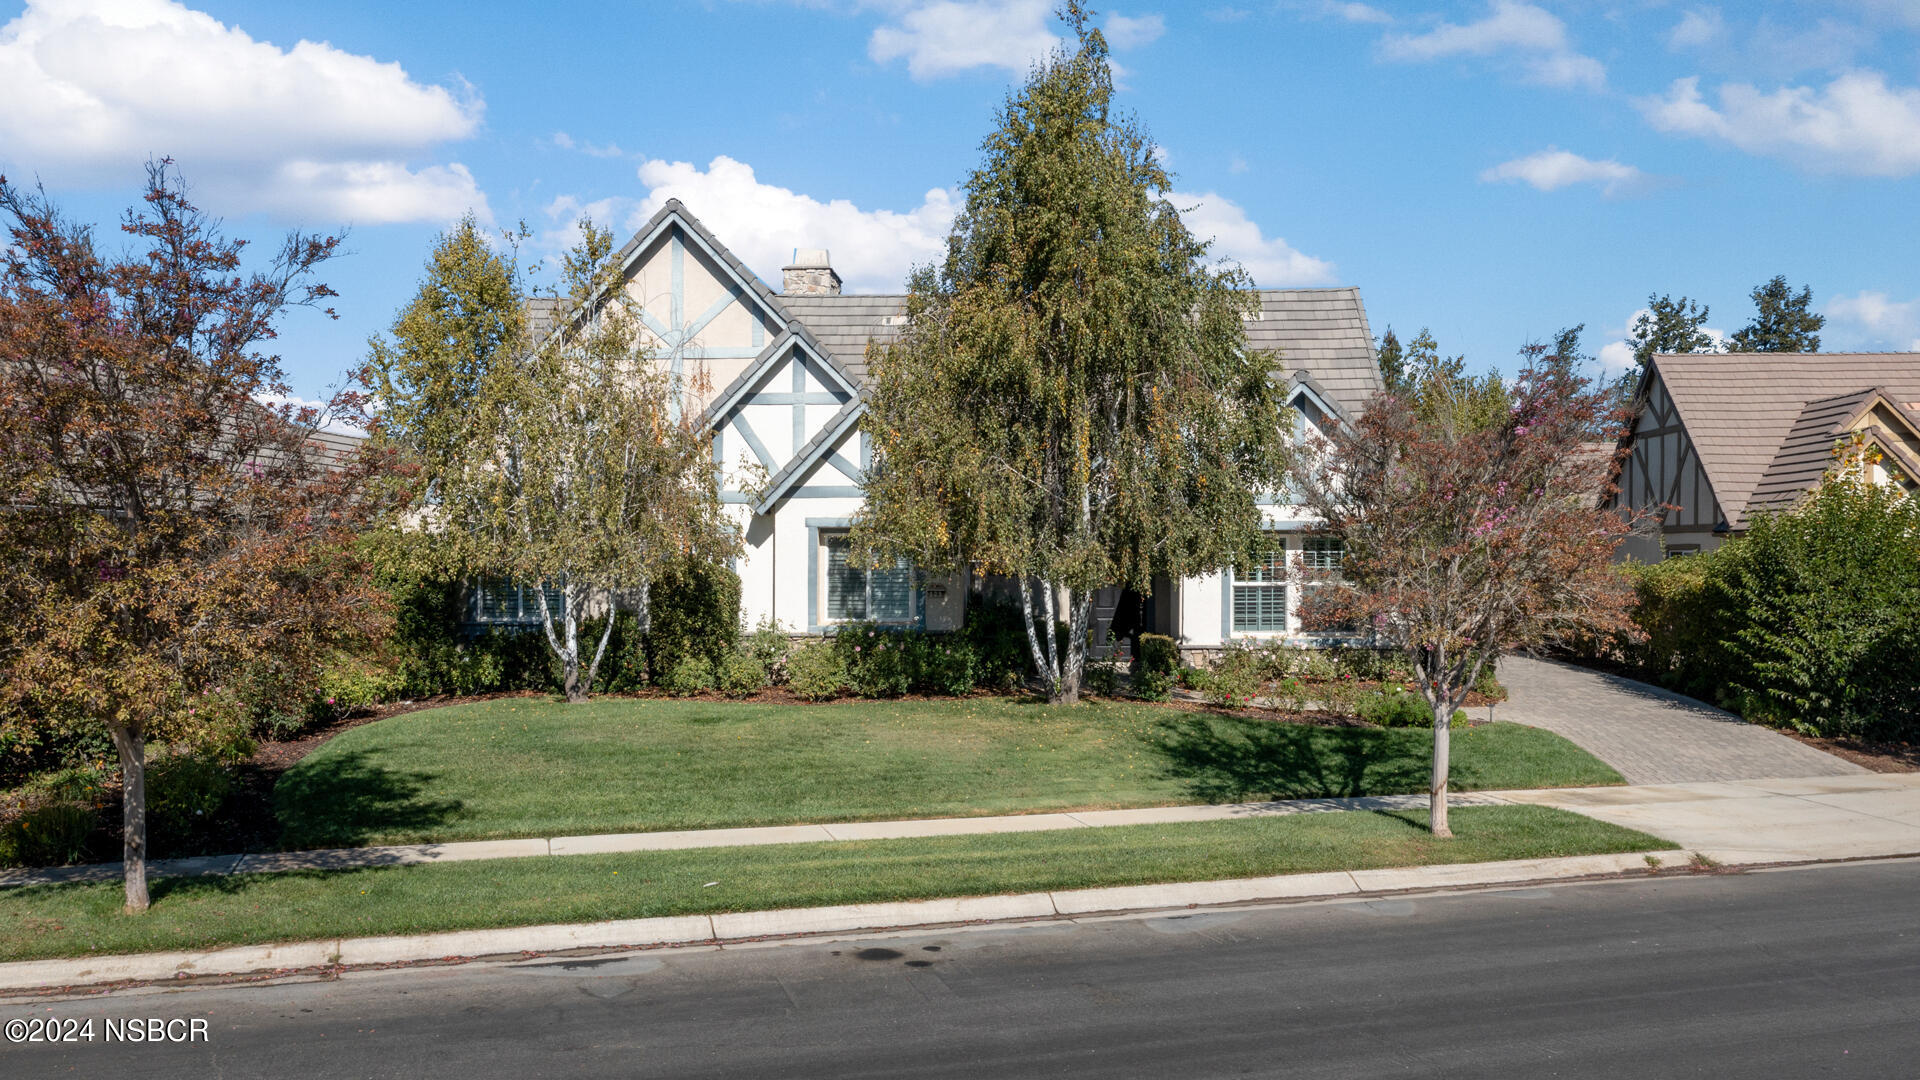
point(81, 920)
point(531, 767)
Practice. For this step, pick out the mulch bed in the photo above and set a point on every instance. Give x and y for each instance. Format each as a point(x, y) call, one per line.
point(1880, 757)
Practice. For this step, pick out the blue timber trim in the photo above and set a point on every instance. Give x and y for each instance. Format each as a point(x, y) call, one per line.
point(806, 398)
point(818, 447)
point(798, 361)
point(813, 492)
point(759, 338)
point(753, 441)
point(713, 312)
point(677, 305)
point(1226, 604)
point(740, 498)
point(866, 453)
point(719, 458)
point(814, 525)
point(852, 472)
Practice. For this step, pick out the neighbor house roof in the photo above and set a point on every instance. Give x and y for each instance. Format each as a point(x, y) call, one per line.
point(1764, 424)
point(1321, 332)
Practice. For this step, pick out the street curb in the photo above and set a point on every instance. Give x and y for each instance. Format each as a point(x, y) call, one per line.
point(39, 976)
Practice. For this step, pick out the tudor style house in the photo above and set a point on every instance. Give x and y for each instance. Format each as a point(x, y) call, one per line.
point(1718, 437)
point(779, 379)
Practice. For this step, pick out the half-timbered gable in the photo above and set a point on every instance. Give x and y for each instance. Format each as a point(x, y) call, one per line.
point(1719, 436)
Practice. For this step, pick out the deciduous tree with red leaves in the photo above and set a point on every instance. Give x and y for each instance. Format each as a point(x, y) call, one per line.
point(163, 526)
point(1470, 532)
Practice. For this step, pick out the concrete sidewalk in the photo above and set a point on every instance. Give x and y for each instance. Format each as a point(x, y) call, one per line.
point(1736, 823)
point(1760, 821)
point(604, 843)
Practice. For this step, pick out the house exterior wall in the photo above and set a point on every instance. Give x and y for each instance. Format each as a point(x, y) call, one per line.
point(1664, 469)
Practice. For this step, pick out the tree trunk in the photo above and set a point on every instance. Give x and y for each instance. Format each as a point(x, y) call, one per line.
point(1032, 621)
point(570, 658)
point(133, 815)
point(1442, 745)
point(1080, 609)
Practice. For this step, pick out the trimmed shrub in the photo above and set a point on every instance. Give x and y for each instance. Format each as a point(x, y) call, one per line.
point(769, 646)
point(184, 794)
point(692, 675)
point(996, 636)
point(740, 675)
point(949, 665)
point(1819, 614)
point(52, 834)
point(694, 610)
point(816, 672)
point(1234, 680)
point(1158, 667)
point(1394, 708)
point(879, 664)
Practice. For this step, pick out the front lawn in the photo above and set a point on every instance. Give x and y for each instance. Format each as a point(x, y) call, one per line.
point(530, 767)
point(208, 912)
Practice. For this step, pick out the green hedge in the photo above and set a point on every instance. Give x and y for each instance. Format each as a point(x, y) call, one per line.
point(1809, 621)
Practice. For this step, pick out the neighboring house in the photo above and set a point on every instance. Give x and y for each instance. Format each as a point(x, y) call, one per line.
point(1719, 437)
point(783, 374)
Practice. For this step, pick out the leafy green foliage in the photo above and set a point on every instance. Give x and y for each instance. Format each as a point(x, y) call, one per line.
point(693, 674)
point(186, 792)
point(1669, 326)
point(693, 609)
point(1820, 613)
point(816, 671)
point(569, 460)
point(1071, 402)
point(1783, 321)
point(739, 675)
point(1234, 680)
point(769, 646)
point(1159, 667)
point(51, 834)
point(1394, 708)
point(1393, 363)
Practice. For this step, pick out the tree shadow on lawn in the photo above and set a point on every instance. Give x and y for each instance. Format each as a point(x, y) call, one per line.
point(344, 800)
point(1230, 759)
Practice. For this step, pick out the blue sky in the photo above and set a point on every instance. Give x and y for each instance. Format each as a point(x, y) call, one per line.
point(1492, 170)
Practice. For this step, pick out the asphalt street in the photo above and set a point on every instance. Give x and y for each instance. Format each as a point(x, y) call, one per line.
point(1803, 973)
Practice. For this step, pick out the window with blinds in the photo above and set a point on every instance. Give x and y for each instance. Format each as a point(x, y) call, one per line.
point(1260, 595)
point(859, 595)
point(508, 603)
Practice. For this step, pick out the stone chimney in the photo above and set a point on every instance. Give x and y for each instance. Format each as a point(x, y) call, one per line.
point(811, 274)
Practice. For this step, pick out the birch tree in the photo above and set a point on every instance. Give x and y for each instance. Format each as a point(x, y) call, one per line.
point(1469, 531)
point(1072, 403)
point(572, 461)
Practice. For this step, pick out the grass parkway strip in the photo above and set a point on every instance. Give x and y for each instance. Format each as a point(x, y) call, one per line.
point(204, 912)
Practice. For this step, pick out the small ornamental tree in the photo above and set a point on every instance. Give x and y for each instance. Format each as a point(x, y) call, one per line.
point(163, 530)
point(573, 461)
point(1072, 403)
point(1670, 326)
point(1468, 534)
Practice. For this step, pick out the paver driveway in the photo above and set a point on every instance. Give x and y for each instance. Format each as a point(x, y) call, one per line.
point(1651, 735)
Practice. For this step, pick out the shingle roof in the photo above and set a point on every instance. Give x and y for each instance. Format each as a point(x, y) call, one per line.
point(1742, 409)
point(1323, 332)
point(1807, 453)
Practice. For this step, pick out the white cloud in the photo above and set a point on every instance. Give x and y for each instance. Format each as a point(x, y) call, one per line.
point(1855, 124)
point(1697, 27)
point(1131, 32)
point(1874, 318)
point(946, 37)
point(1271, 260)
point(96, 87)
point(564, 141)
point(1355, 13)
point(873, 249)
point(1552, 169)
point(1616, 357)
point(762, 223)
point(1510, 27)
